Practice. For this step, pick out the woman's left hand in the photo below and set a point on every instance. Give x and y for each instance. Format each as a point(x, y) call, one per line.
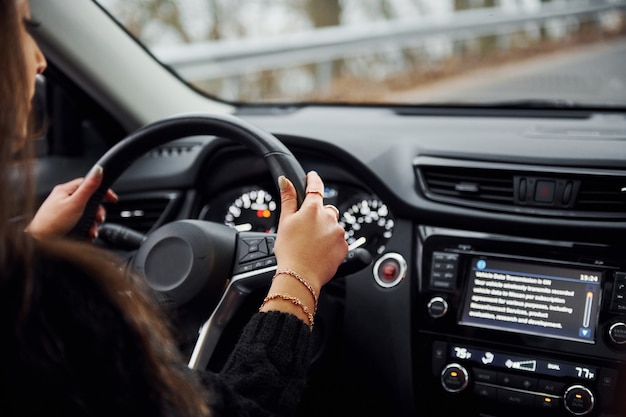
point(62, 209)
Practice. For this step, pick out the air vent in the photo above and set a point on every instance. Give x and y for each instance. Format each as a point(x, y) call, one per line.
point(531, 189)
point(142, 212)
point(469, 185)
point(602, 194)
point(174, 149)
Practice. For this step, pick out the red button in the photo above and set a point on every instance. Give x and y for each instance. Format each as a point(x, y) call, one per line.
point(389, 270)
point(544, 191)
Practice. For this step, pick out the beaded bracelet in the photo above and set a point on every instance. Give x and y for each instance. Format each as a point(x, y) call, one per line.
point(293, 300)
point(302, 280)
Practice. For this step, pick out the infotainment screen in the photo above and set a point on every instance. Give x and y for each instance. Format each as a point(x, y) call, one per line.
point(532, 298)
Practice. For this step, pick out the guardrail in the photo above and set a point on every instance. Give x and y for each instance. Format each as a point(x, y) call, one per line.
point(233, 58)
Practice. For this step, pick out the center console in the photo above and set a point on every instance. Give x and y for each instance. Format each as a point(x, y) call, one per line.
point(508, 326)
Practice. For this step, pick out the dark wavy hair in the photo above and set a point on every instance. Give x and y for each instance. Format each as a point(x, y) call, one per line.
point(15, 150)
point(74, 324)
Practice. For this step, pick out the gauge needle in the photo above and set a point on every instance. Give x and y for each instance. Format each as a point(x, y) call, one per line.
point(357, 243)
point(244, 227)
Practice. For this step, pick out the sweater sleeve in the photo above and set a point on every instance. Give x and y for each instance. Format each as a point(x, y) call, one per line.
point(265, 374)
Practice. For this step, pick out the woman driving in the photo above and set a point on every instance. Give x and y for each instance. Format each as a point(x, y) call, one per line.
point(82, 337)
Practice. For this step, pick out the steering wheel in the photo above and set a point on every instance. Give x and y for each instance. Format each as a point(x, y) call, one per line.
point(187, 260)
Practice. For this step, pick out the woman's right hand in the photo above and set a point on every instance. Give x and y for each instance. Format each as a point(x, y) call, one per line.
point(310, 246)
point(310, 240)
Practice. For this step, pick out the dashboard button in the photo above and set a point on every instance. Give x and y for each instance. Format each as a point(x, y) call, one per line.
point(439, 356)
point(485, 391)
point(547, 402)
point(437, 307)
point(607, 383)
point(517, 381)
point(515, 398)
point(484, 375)
point(579, 400)
point(454, 378)
point(617, 333)
point(390, 269)
point(544, 191)
point(550, 387)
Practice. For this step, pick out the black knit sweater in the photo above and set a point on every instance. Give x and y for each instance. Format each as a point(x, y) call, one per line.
point(265, 374)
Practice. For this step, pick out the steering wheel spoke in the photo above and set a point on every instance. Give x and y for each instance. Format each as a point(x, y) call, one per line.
point(238, 290)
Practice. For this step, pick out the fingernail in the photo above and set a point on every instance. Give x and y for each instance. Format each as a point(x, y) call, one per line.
point(96, 171)
point(283, 182)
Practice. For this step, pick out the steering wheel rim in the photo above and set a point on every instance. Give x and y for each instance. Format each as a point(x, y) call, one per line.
point(116, 160)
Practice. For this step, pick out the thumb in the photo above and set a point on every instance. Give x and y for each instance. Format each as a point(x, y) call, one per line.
point(288, 197)
point(90, 184)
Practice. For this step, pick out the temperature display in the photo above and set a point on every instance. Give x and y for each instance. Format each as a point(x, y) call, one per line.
point(586, 373)
point(524, 364)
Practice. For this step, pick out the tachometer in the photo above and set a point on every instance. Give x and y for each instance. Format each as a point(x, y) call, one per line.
point(368, 224)
point(253, 211)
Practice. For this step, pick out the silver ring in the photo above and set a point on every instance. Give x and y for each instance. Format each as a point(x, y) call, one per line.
point(330, 206)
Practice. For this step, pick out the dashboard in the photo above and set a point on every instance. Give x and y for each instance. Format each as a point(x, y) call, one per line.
point(498, 280)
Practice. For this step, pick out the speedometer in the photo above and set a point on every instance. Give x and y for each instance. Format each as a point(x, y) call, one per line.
point(253, 211)
point(368, 224)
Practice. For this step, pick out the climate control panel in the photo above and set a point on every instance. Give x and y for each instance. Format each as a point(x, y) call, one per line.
point(524, 382)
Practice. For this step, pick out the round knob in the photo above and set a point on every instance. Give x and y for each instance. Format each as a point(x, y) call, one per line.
point(579, 400)
point(437, 307)
point(454, 378)
point(617, 333)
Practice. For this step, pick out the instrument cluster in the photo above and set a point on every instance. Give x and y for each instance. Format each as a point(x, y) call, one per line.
point(252, 208)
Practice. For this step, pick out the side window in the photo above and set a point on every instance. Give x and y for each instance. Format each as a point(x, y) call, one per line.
point(75, 131)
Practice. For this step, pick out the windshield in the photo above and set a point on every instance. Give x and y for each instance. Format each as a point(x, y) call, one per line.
point(457, 52)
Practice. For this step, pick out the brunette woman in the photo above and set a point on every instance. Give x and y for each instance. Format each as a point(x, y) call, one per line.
point(79, 337)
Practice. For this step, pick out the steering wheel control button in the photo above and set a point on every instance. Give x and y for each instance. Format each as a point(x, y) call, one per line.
point(617, 333)
point(454, 378)
point(437, 307)
point(443, 270)
point(269, 241)
point(579, 400)
point(256, 251)
point(252, 249)
point(390, 269)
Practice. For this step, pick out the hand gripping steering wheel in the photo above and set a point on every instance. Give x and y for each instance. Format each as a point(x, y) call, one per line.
point(188, 260)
